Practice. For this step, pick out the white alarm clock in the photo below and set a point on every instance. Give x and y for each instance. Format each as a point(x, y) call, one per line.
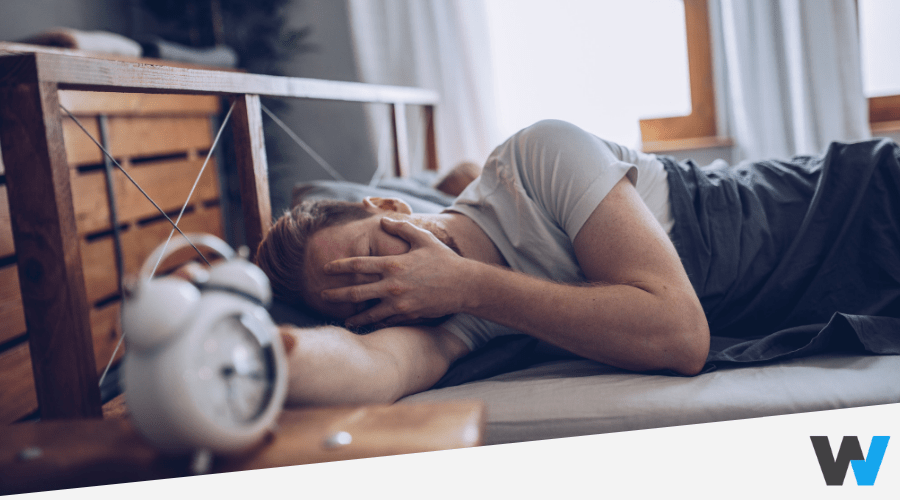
point(205, 368)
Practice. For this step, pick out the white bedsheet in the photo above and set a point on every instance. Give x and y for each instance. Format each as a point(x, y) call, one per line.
point(580, 397)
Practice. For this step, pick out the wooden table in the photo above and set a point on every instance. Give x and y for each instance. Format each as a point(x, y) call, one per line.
point(40, 456)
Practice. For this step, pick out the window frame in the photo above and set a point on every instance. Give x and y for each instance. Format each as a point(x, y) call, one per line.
point(699, 129)
point(884, 114)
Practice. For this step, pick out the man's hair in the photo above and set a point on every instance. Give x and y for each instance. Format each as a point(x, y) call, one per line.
point(282, 253)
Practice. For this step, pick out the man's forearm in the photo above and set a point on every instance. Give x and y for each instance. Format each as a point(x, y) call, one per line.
point(333, 366)
point(330, 366)
point(639, 326)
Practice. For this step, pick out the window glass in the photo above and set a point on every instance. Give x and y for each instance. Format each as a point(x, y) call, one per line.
point(880, 42)
point(601, 64)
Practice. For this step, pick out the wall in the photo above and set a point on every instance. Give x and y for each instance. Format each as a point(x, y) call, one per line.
point(337, 131)
point(21, 18)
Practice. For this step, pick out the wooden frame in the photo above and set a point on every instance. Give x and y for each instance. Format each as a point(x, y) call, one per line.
point(40, 197)
point(698, 129)
point(884, 114)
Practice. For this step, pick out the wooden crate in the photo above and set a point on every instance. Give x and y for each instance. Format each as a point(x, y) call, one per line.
point(162, 141)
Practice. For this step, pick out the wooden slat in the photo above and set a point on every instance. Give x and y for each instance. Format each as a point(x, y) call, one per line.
point(884, 109)
point(80, 150)
point(138, 244)
point(885, 127)
point(51, 279)
point(98, 261)
point(687, 144)
point(252, 167)
point(7, 247)
point(12, 316)
point(135, 137)
point(116, 76)
point(431, 155)
point(167, 182)
point(401, 140)
point(26, 48)
point(17, 394)
point(98, 256)
point(106, 329)
point(117, 104)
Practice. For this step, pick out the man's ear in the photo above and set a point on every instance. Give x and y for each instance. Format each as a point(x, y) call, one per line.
point(387, 204)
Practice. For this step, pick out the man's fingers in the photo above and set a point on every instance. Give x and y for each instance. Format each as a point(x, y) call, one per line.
point(356, 265)
point(355, 294)
point(397, 319)
point(369, 316)
point(406, 230)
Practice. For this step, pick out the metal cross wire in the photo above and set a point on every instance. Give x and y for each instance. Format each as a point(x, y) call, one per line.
point(173, 223)
point(315, 156)
point(108, 155)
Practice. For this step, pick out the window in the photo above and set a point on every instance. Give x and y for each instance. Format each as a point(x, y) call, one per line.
point(697, 129)
point(599, 64)
point(879, 39)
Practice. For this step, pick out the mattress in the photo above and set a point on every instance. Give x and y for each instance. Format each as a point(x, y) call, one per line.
point(567, 398)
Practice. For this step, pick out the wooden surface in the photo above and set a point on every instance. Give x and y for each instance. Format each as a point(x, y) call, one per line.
point(401, 140)
point(118, 104)
point(17, 394)
point(27, 48)
point(167, 182)
point(91, 452)
point(48, 257)
point(7, 247)
point(81, 73)
point(252, 167)
point(687, 144)
point(431, 154)
point(888, 127)
point(12, 315)
point(884, 109)
point(136, 137)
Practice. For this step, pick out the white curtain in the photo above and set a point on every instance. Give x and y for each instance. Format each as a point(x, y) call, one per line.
point(436, 44)
point(792, 75)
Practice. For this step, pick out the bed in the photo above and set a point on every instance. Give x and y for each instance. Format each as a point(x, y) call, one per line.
point(547, 394)
point(535, 391)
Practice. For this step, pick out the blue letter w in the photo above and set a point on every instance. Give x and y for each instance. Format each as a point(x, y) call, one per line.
point(866, 470)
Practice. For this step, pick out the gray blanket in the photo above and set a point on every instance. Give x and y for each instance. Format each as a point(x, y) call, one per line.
point(797, 257)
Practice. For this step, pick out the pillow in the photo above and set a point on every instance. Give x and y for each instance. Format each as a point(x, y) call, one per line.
point(422, 199)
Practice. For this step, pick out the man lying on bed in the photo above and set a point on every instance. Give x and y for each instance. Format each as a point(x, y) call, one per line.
point(569, 239)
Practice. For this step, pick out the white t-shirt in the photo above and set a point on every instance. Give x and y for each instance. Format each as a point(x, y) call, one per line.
point(536, 191)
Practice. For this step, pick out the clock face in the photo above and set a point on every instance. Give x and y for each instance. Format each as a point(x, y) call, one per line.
point(232, 372)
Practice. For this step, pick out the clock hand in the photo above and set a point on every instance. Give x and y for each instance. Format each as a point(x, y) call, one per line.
point(229, 371)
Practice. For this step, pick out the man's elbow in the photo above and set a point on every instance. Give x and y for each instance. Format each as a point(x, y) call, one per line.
point(691, 339)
